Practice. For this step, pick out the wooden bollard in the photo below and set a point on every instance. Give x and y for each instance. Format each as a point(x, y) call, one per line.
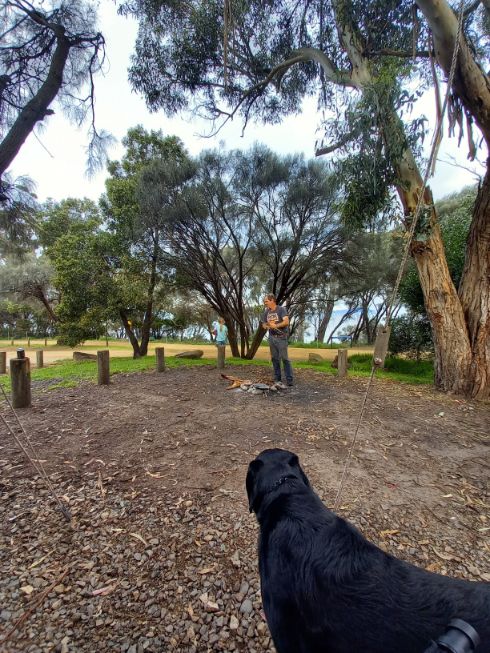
point(220, 363)
point(45, 342)
point(12, 342)
point(40, 358)
point(20, 377)
point(160, 358)
point(103, 375)
point(342, 362)
point(381, 345)
point(3, 362)
point(28, 342)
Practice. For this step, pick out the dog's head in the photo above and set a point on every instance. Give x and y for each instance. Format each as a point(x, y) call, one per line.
point(270, 470)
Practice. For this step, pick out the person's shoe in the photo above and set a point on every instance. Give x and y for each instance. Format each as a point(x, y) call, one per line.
point(290, 384)
point(280, 385)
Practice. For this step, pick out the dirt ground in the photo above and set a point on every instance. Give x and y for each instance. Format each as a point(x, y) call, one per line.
point(160, 554)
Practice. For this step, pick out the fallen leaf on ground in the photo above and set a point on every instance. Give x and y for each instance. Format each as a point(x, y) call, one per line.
point(138, 537)
point(103, 591)
point(388, 532)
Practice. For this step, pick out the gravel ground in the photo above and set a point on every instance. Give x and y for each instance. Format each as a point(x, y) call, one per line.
point(160, 554)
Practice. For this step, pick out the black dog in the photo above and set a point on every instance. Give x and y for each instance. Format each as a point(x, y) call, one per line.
point(326, 589)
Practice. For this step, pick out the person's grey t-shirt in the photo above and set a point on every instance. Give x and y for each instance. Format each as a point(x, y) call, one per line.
point(279, 313)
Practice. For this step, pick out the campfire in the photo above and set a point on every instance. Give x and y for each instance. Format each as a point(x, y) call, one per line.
point(254, 387)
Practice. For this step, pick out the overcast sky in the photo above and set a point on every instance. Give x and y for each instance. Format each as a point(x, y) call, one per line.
point(55, 158)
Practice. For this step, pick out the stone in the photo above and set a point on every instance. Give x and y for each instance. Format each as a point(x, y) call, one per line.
point(195, 353)
point(83, 356)
point(315, 358)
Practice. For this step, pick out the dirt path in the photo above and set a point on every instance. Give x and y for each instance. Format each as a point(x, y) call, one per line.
point(161, 554)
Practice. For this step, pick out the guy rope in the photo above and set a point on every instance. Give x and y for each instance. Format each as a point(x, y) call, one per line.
point(35, 461)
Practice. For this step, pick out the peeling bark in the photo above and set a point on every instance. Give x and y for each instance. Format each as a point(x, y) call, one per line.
point(474, 293)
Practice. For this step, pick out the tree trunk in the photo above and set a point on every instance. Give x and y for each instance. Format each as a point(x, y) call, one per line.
point(130, 334)
point(322, 329)
point(474, 293)
point(258, 337)
point(148, 318)
point(442, 304)
point(472, 86)
point(232, 338)
point(41, 296)
point(37, 107)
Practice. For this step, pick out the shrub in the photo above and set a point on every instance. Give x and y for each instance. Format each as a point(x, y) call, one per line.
point(411, 335)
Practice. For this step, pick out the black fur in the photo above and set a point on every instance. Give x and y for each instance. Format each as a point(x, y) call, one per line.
point(326, 589)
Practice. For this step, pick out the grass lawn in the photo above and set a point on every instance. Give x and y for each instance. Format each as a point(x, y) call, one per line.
point(70, 373)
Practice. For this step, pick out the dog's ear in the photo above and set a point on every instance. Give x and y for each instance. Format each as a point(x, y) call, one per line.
point(251, 483)
point(294, 462)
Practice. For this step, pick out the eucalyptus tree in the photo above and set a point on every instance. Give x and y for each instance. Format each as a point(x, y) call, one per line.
point(137, 228)
point(246, 217)
point(209, 237)
point(359, 59)
point(50, 50)
point(30, 278)
point(297, 235)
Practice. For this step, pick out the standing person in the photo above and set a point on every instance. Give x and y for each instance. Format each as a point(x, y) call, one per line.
point(276, 320)
point(221, 332)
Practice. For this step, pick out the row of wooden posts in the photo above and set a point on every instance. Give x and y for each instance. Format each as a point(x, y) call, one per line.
point(20, 370)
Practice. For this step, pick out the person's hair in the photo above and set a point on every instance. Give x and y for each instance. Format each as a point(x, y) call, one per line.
point(271, 297)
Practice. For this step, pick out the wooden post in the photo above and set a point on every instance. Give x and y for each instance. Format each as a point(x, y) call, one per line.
point(103, 377)
point(160, 357)
point(12, 342)
point(221, 357)
point(45, 342)
point(39, 358)
point(28, 342)
point(20, 377)
point(3, 362)
point(381, 345)
point(342, 362)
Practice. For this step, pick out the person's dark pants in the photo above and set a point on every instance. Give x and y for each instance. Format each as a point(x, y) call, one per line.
point(279, 352)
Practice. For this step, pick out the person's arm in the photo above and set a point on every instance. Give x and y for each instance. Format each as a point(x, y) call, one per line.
point(263, 322)
point(283, 323)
